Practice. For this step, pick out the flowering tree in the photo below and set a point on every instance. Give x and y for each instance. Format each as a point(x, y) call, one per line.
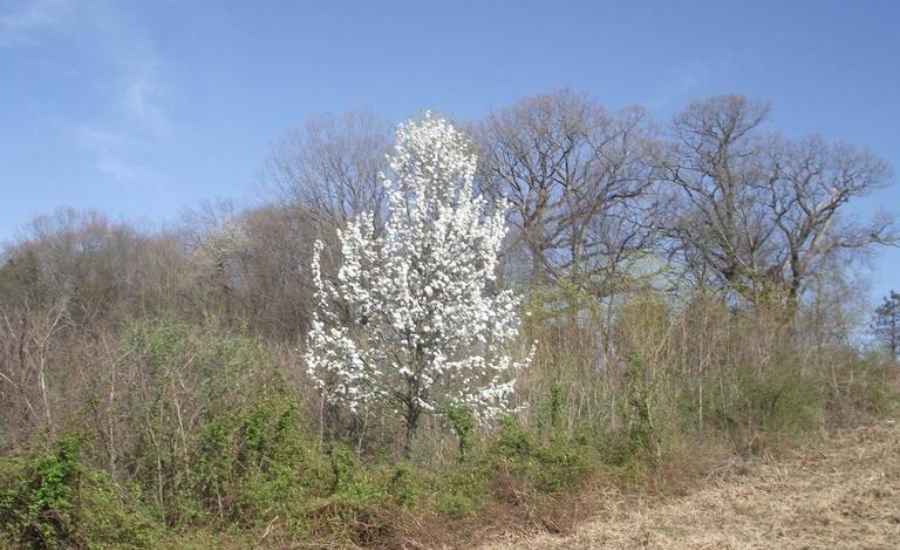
point(413, 318)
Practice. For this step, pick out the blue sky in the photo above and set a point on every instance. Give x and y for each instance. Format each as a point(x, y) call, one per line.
point(144, 108)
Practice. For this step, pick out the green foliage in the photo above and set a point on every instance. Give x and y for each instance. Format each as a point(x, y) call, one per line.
point(514, 441)
point(547, 467)
point(861, 387)
point(252, 462)
point(246, 442)
point(112, 516)
point(402, 486)
point(549, 410)
point(463, 421)
point(755, 408)
point(642, 438)
point(555, 404)
point(781, 402)
point(38, 509)
point(462, 489)
point(157, 341)
point(51, 500)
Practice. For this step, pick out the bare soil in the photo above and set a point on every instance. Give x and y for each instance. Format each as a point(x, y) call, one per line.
point(842, 493)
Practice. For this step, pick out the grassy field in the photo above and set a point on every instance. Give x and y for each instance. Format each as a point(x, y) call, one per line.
point(842, 492)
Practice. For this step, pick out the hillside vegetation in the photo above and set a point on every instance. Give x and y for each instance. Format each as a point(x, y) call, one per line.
point(666, 296)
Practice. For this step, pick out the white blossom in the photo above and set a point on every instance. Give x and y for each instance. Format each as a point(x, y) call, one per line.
point(412, 317)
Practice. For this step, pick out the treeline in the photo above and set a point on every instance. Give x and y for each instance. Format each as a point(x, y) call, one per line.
point(687, 280)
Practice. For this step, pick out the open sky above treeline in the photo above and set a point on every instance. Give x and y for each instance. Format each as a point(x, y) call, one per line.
point(142, 109)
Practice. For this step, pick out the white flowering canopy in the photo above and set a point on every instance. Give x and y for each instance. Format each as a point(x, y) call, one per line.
point(413, 317)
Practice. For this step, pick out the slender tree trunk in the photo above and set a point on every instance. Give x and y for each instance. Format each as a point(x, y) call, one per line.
point(412, 424)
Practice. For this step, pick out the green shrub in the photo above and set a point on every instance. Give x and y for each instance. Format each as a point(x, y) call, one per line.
point(772, 405)
point(39, 498)
point(463, 421)
point(546, 467)
point(51, 500)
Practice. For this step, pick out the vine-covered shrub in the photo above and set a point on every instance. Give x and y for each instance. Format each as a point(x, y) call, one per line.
point(52, 499)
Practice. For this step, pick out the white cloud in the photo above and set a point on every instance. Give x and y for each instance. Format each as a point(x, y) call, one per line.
point(143, 100)
point(22, 26)
point(131, 76)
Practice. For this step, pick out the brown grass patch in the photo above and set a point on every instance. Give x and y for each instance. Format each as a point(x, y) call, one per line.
point(841, 493)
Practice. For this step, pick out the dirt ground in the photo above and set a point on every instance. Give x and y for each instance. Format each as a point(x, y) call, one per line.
point(844, 493)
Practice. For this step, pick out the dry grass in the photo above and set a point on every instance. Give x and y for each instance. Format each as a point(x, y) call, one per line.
point(843, 493)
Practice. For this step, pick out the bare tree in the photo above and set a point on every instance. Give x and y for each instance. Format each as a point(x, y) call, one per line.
point(274, 270)
point(329, 168)
point(756, 212)
point(814, 181)
point(711, 162)
point(80, 257)
point(26, 369)
point(578, 179)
